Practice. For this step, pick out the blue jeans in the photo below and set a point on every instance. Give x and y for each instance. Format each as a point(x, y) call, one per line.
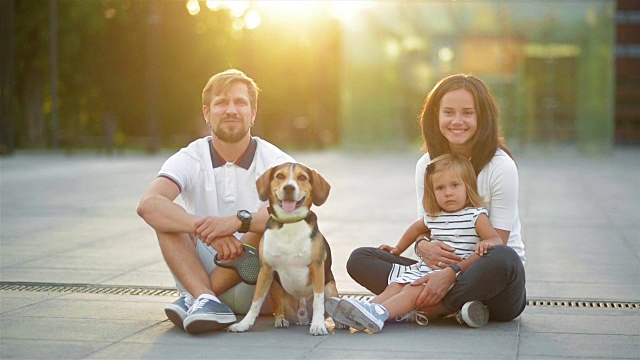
point(497, 279)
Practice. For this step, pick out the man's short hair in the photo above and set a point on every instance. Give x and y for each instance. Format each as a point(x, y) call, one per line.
point(221, 82)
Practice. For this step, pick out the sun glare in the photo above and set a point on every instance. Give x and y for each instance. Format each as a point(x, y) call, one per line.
point(251, 14)
point(303, 11)
point(252, 19)
point(193, 7)
point(291, 11)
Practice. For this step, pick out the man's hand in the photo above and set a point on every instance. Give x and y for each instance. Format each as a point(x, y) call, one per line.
point(228, 247)
point(437, 255)
point(211, 227)
point(390, 249)
point(436, 285)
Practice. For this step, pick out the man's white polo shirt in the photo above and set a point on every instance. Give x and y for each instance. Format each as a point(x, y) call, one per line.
point(209, 186)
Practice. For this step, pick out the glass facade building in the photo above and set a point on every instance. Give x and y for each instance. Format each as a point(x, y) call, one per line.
point(551, 65)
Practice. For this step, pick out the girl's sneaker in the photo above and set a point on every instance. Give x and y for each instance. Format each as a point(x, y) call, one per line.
point(370, 315)
point(331, 308)
point(474, 314)
point(414, 316)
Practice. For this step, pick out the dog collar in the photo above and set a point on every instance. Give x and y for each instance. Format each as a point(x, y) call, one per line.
point(282, 221)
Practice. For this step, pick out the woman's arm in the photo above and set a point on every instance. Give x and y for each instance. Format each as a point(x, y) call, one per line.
point(437, 284)
point(498, 185)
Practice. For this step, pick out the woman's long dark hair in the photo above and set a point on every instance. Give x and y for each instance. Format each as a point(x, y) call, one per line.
point(487, 138)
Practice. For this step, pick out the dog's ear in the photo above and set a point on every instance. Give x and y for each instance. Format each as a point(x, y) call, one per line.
point(263, 184)
point(321, 187)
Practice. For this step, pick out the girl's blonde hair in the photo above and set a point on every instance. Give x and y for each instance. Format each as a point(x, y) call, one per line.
point(458, 164)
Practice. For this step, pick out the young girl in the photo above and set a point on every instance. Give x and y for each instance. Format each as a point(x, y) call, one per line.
point(454, 216)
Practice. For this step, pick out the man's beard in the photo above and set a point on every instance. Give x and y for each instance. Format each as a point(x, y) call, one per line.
point(230, 136)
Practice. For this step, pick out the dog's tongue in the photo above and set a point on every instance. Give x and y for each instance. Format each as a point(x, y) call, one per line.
point(288, 205)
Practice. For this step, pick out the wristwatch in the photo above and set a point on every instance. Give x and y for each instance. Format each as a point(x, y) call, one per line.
point(245, 218)
point(457, 269)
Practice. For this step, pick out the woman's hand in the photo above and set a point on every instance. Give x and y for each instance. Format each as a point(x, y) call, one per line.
point(437, 255)
point(390, 249)
point(436, 285)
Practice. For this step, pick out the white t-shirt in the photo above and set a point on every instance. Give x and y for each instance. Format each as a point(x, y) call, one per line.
point(227, 188)
point(498, 187)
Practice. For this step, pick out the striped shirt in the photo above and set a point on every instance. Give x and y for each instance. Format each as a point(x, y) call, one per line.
point(457, 230)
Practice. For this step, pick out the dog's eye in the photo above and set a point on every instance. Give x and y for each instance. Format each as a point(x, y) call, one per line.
point(279, 176)
point(302, 178)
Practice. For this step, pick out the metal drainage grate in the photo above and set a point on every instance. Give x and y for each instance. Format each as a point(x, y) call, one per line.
point(600, 304)
point(160, 291)
point(87, 288)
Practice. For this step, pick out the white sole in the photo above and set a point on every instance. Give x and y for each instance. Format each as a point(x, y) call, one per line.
point(198, 323)
point(475, 314)
point(353, 311)
point(176, 315)
point(332, 308)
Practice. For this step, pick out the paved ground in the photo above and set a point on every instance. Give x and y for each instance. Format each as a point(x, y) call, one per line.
point(72, 220)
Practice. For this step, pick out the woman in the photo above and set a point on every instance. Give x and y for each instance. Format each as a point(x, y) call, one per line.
point(460, 116)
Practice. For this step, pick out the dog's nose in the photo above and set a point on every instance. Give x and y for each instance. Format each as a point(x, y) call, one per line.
point(288, 189)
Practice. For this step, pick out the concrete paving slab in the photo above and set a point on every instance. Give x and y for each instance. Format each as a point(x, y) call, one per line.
point(49, 349)
point(65, 329)
point(588, 321)
point(69, 308)
point(72, 220)
point(579, 346)
point(33, 274)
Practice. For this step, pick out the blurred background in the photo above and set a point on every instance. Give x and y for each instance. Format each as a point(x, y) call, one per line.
point(122, 74)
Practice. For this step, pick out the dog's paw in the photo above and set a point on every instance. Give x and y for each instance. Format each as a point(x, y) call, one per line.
point(318, 329)
point(238, 327)
point(281, 322)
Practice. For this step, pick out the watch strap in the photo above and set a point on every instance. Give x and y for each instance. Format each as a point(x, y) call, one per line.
point(457, 269)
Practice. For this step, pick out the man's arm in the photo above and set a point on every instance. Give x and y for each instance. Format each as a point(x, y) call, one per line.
point(211, 227)
point(161, 213)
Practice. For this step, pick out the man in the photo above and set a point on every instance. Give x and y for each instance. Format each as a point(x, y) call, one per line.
point(215, 177)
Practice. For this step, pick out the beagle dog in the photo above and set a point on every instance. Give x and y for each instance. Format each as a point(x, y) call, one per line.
point(292, 250)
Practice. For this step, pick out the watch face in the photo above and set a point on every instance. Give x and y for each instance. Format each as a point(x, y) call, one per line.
point(244, 214)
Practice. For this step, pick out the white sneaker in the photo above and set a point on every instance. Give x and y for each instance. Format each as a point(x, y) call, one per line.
point(474, 314)
point(331, 308)
point(370, 315)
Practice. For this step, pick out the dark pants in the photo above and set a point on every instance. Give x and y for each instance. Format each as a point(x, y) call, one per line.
point(497, 279)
